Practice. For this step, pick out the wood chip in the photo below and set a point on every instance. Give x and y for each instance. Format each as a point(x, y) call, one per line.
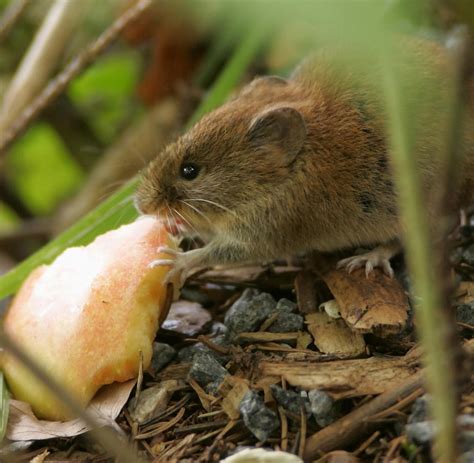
point(333, 336)
point(230, 403)
point(375, 304)
point(263, 336)
point(306, 293)
point(346, 378)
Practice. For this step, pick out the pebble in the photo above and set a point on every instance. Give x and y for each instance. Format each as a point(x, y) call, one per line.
point(259, 419)
point(206, 369)
point(186, 354)
point(152, 401)
point(162, 355)
point(420, 409)
point(248, 312)
point(322, 407)
point(468, 255)
point(290, 400)
point(465, 313)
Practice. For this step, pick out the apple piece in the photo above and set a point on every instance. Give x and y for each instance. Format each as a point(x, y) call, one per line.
point(86, 317)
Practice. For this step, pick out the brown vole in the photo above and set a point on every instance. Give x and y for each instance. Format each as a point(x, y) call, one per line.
point(290, 166)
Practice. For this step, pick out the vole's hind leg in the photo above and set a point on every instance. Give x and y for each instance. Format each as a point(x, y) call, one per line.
point(378, 257)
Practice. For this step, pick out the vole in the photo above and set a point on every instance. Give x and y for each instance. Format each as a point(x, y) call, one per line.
point(290, 166)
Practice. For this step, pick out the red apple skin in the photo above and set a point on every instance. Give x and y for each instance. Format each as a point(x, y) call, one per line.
point(87, 317)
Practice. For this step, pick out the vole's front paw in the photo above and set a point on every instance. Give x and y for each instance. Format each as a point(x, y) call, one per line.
point(369, 260)
point(180, 265)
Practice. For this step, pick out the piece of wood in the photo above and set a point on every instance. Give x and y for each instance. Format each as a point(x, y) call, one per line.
point(230, 403)
point(333, 336)
point(346, 378)
point(265, 336)
point(374, 304)
point(359, 422)
point(306, 294)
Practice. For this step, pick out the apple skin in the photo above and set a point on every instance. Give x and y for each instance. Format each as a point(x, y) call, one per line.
point(86, 318)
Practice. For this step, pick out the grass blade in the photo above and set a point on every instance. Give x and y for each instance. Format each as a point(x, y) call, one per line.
point(4, 397)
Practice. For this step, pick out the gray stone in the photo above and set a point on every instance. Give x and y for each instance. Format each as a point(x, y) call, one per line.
point(287, 322)
point(421, 432)
point(259, 419)
point(465, 313)
point(285, 305)
point(290, 400)
point(420, 409)
point(248, 312)
point(468, 255)
point(468, 457)
point(322, 407)
point(162, 355)
point(206, 369)
point(186, 354)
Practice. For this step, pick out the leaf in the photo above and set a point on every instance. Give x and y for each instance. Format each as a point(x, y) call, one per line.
point(104, 408)
point(4, 403)
point(118, 209)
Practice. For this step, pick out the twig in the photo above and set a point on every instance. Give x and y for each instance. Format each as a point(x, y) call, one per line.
point(359, 422)
point(40, 60)
point(10, 17)
point(72, 70)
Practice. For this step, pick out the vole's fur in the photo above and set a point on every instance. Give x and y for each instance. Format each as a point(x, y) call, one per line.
point(292, 166)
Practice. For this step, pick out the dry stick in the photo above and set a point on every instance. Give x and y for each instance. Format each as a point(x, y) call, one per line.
point(104, 436)
point(349, 428)
point(10, 17)
point(40, 60)
point(77, 65)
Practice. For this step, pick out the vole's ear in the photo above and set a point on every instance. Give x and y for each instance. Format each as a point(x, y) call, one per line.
point(281, 126)
point(261, 82)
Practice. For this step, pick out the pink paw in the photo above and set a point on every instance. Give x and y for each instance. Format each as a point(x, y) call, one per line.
point(369, 260)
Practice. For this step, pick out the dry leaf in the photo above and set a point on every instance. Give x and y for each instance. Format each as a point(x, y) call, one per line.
point(104, 408)
point(333, 336)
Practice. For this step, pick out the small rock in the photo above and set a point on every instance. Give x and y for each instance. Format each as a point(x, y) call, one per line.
point(420, 409)
point(290, 400)
point(468, 255)
point(287, 322)
point(465, 313)
point(152, 401)
point(162, 355)
point(468, 457)
point(322, 407)
point(421, 432)
point(186, 354)
point(248, 312)
point(285, 305)
point(206, 369)
point(217, 329)
point(259, 419)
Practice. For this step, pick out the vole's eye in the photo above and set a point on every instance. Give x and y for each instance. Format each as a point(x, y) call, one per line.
point(189, 171)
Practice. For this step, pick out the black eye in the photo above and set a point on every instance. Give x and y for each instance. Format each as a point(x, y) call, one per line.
point(189, 171)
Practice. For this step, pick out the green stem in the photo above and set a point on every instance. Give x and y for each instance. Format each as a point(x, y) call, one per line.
point(434, 333)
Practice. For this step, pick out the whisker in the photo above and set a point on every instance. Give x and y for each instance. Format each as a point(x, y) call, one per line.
point(189, 224)
point(214, 203)
point(195, 209)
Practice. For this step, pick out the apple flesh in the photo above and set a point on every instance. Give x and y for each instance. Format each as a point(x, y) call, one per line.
point(89, 317)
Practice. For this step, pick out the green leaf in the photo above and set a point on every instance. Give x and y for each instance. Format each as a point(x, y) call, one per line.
point(118, 209)
point(4, 398)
